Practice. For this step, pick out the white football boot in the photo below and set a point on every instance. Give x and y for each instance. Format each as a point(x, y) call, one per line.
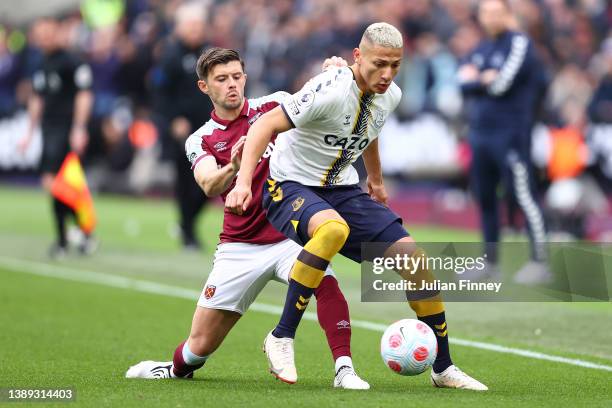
point(152, 370)
point(280, 358)
point(349, 380)
point(534, 273)
point(453, 377)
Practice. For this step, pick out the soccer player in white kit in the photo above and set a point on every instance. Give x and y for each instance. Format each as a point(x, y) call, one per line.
point(251, 252)
point(313, 196)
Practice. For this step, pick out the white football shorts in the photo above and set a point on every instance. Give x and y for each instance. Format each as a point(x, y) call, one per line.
point(241, 270)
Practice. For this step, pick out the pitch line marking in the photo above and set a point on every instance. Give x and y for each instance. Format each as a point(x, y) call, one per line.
point(121, 282)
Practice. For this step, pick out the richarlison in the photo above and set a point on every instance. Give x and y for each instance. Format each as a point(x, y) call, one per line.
point(463, 284)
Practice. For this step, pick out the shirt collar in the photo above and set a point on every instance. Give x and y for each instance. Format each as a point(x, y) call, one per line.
point(223, 123)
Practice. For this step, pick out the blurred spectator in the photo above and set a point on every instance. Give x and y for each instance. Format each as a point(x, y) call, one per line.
point(600, 107)
point(10, 73)
point(182, 108)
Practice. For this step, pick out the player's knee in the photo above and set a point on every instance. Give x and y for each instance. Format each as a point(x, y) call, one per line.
point(333, 233)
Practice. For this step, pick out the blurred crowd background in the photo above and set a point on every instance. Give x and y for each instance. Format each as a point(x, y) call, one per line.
point(283, 43)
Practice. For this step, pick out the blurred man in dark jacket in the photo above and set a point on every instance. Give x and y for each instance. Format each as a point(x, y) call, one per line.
point(502, 80)
point(182, 108)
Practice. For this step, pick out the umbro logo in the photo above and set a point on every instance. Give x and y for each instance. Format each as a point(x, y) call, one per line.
point(220, 146)
point(343, 324)
point(347, 120)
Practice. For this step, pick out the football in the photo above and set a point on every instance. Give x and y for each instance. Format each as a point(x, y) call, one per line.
point(408, 347)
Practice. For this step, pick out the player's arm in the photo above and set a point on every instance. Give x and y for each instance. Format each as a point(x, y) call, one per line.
point(468, 76)
point(36, 105)
point(82, 109)
point(214, 180)
point(518, 60)
point(257, 139)
point(83, 103)
point(371, 159)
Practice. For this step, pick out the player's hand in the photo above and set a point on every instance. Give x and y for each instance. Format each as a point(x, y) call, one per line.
point(378, 192)
point(180, 128)
point(489, 76)
point(468, 73)
point(23, 144)
point(236, 155)
point(238, 200)
point(334, 62)
point(78, 139)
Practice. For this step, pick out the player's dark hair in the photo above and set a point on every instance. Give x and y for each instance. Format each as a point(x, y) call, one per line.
point(214, 56)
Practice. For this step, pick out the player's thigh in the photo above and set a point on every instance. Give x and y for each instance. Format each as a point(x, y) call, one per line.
point(291, 206)
point(239, 273)
point(318, 218)
point(406, 245)
point(209, 328)
point(369, 221)
point(286, 252)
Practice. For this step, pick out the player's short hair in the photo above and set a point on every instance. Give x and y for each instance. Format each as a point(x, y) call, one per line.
point(215, 56)
point(384, 35)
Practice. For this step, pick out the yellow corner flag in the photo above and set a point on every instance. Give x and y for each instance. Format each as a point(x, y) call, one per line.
point(70, 187)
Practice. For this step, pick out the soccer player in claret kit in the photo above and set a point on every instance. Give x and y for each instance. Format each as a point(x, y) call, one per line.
point(313, 196)
point(251, 251)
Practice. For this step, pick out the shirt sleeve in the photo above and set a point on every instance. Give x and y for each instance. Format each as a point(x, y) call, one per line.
point(316, 100)
point(39, 82)
point(472, 87)
point(518, 58)
point(269, 102)
point(197, 151)
point(83, 77)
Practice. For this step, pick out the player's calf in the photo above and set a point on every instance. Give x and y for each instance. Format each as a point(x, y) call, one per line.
point(308, 271)
point(333, 316)
point(427, 305)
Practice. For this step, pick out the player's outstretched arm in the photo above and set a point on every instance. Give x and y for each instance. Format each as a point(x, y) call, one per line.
point(214, 180)
point(371, 159)
point(258, 137)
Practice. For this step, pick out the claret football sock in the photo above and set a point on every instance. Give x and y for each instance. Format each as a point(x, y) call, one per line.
point(185, 361)
point(308, 271)
point(333, 316)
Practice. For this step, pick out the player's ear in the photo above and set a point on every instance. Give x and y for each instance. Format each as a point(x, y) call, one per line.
point(203, 86)
point(357, 55)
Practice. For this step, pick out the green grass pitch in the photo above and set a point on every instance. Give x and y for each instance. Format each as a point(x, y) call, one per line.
point(57, 332)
